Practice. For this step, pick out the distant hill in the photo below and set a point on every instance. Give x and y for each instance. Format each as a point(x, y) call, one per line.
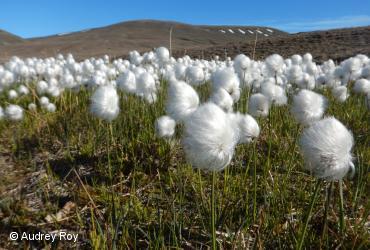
point(8, 38)
point(196, 40)
point(142, 35)
point(336, 44)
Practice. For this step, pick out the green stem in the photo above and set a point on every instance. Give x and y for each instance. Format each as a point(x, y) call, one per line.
point(213, 211)
point(341, 207)
point(328, 198)
point(254, 185)
point(313, 199)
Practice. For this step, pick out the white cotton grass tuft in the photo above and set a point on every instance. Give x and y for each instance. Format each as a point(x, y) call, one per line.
point(340, 93)
point(44, 101)
point(222, 99)
point(275, 93)
point(209, 139)
point(127, 82)
point(246, 127)
point(180, 70)
point(32, 107)
point(51, 107)
point(194, 75)
point(145, 83)
point(182, 100)
point(14, 112)
point(362, 86)
point(163, 55)
point(23, 90)
point(12, 94)
point(274, 64)
point(104, 103)
point(258, 105)
point(326, 147)
point(226, 79)
point(241, 63)
point(308, 106)
point(165, 126)
point(41, 87)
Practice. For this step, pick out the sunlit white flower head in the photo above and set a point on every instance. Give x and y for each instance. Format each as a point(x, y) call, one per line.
point(246, 126)
point(226, 79)
point(351, 65)
point(51, 107)
point(127, 82)
point(340, 93)
point(274, 64)
point(41, 87)
point(105, 103)
point(276, 94)
point(308, 106)
point(222, 99)
point(135, 57)
point(258, 105)
point(307, 58)
point(194, 75)
point(296, 59)
point(12, 94)
point(68, 81)
point(326, 147)
point(362, 86)
point(241, 63)
point(44, 101)
point(294, 73)
point(14, 112)
point(145, 83)
point(32, 107)
point(365, 72)
point(165, 126)
point(163, 55)
point(306, 81)
point(209, 139)
point(55, 90)
point(182, 100)
point(180, 70)
point(23, 90)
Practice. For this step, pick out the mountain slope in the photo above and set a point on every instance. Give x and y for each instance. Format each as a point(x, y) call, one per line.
point(8, 38)
point(119, 39)
point(336, 44)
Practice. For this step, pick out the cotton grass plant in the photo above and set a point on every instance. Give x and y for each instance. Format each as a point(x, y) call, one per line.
point(153, 118)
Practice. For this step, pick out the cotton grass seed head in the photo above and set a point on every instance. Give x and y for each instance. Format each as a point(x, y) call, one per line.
point(308, 106)
point(127, 82)
point(222, 99)
point(209, 140)
point(362, 86)
point(14, 112)
point(104, 103)
point(182, 100)
point(246, 126)
point(226, 79)
point(258, 105)
point(340, 93)
point(165, 126)
point(326, 148)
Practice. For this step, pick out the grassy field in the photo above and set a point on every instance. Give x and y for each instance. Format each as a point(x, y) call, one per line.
point(121, 187)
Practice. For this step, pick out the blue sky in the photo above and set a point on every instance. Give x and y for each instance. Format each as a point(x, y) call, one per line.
point(45, 17)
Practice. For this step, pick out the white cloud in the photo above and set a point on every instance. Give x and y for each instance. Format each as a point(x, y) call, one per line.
point(323, 24)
